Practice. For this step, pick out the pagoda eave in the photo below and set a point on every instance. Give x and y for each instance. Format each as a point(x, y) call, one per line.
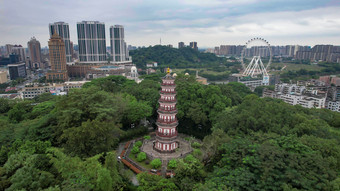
point(173, 124)
point(167, 112)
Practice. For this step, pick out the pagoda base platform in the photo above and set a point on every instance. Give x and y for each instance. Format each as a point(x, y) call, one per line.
point(183, 150)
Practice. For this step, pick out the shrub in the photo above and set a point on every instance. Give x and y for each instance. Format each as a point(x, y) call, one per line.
point(141, 157)
point(196, 145)
point(135, 150)
point(147, 137)
point(136, 132)
point(156, 163)
point(172, 164)
point(197, 152)
point(138, 144)
point(189, 158)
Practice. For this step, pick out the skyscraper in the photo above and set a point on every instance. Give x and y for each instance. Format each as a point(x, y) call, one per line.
point(91, 41)
point(181, 45)
point(118, 46)
point(9, 49)
point(194, 45)
point(19, 50)
point(63, 31)
point(72, 50)
point(34, 52)
point(57, 52)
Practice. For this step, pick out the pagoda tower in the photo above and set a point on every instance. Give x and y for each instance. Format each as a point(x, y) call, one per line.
point(166, 134)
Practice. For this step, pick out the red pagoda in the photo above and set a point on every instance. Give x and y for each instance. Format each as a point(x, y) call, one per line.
point(166, 133)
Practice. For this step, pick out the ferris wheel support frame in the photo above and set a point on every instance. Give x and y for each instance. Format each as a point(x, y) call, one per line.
point(256, 65)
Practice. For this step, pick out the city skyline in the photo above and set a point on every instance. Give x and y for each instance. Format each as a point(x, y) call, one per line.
point(307, 22)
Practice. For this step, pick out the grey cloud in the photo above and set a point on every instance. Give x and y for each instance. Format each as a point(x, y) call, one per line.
point(208, 22)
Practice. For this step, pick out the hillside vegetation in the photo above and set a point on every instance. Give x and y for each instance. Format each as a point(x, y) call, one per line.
point(173, 57)
point(248, 143)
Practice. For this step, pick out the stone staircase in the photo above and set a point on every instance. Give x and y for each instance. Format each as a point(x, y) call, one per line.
point(164, 166)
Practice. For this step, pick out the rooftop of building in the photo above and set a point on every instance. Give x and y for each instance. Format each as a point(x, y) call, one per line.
point(28, 85)
point(59, 22)
point(16, 64)
point(90, 22)
point(109, 66)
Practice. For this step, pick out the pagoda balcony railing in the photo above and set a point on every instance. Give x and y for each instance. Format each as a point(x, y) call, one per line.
point(167, 121)
point(164, 84)
point(170, 101)
point(167, 111)
point(173, 92)
point(168, 135)
point(164, 151)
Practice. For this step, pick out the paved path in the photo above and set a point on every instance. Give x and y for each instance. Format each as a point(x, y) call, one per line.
point(183, 150)
point(164, 166)
point(120, 148)
point(133, 178)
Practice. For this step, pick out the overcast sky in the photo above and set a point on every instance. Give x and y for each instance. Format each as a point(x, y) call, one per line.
point(209, 22)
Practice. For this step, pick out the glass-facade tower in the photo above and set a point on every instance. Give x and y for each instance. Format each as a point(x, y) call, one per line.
point(91, 41)
point(119, 50)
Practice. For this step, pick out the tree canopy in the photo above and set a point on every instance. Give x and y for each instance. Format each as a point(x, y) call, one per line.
point(247, 142)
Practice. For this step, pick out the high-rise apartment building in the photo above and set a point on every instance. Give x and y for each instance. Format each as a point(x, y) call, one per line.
point(9, 49)
point(20, 51)
point(72, 50)
point(119, 49)
point(34, 52)
point(57, 58)
point(63, 31)
point(194, 45)
point(91, 41)
point(181, 45)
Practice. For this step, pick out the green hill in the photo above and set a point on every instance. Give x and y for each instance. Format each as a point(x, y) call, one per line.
point(173, 57)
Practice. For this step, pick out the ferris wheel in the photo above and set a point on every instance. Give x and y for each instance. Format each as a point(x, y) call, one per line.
point(256, 66)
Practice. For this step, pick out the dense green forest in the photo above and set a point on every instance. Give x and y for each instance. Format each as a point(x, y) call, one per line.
point(248, 143)
point(328, 68)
